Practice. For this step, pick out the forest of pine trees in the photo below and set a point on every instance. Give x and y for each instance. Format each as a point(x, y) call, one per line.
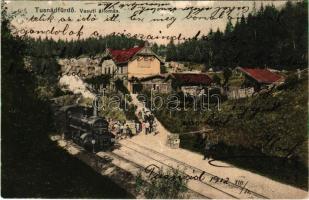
point(268, 37)
point(44, 52)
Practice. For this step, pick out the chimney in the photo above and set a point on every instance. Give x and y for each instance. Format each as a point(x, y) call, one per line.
point(95, 106)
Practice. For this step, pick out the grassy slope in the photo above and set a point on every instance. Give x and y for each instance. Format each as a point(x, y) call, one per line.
point(282, 112)
point(245, 126)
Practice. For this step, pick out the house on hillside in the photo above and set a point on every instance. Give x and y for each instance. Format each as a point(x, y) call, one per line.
point(191, 83)
point(108, 67)
point(129, 64)
point(160, 83)
point(260, 78)
point(188, 83)
point(125, 64)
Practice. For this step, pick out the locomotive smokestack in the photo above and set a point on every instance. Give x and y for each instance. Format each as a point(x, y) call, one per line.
point(95, 106)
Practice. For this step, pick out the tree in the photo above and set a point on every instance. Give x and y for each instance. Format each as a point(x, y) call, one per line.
point(197, 55)
point(229, 27)
point(171, 53)
point(163, 69)
point(216, 79)
point(227, 73)
point(97, 81)
point(121, 87)
point(168, 184)
point(270, 37)
point(162, 50)
point(155, 48)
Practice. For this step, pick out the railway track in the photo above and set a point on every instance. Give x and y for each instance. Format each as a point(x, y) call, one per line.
point(150, 156)
point(140, 167)
point(144, 161)
point(109, 155)
point(226, 186)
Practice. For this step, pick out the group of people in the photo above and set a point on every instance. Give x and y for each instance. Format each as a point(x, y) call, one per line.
point(121, 129)
point(124, 129)
point(148, 121)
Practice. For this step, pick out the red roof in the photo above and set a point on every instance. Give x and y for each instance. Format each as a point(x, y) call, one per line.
point(261, 75)
point(122, 56)
point(193, 79)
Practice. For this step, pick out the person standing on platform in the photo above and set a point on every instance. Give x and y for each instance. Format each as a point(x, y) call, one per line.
point(207, 153)
point(121, 129)
point(128, 132)
point(143, 127)
point(137, 127)
point(147, 126)
point(155, 125)
point(125, 131)
point(150, 127)
point(143, 114)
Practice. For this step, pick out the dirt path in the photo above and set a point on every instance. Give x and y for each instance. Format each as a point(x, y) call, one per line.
point(163, 132)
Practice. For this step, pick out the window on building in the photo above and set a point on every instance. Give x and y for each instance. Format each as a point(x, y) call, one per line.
point(104, 70)
point(109, 70)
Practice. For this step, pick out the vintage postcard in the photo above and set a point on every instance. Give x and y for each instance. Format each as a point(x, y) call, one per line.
point(154, 99)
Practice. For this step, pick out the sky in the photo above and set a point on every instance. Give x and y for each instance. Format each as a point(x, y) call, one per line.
point(123, 24)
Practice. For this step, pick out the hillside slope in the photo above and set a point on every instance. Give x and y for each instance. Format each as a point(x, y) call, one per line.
point(266, 133)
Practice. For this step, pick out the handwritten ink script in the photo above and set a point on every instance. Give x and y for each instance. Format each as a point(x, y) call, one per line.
point(98, 19)
point(154, 172)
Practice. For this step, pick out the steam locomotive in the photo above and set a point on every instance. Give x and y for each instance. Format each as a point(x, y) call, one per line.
point(84, 127)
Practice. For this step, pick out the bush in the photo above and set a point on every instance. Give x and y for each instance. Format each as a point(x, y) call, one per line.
point(168, 184)
point(290, 82)
point(216, 79)
point(130, 113)
point(163, 69)
point(96, 81)
point(119, 86)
